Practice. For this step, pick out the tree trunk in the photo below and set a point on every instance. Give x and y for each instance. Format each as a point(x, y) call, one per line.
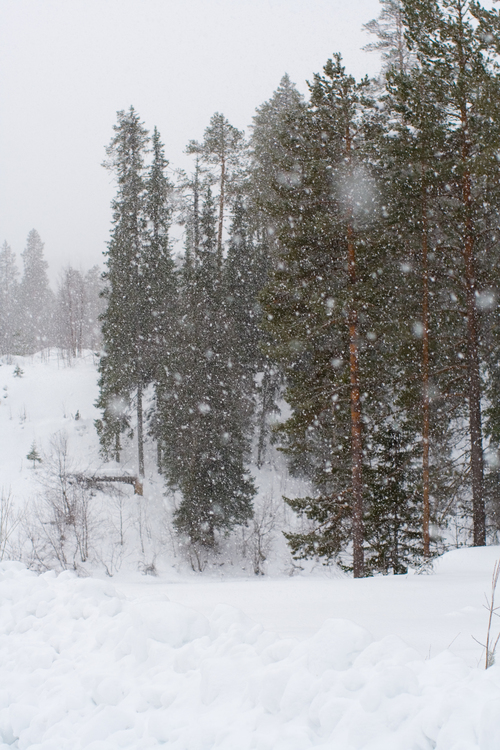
point(425, 372)
point(196, 211)
point(140, 435)
point(476, 440)
point(356, 436)
point(159, 457)
point(474, 377)
point(117, 447)
point(221, 211)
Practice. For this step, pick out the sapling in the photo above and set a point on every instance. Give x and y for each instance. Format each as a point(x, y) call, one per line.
point(492, 610)
point(491, 642)
point(8, 520)
point(34, 456)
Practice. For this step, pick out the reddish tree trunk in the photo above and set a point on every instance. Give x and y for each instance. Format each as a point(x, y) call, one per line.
point(356, 429)
point(425, 373)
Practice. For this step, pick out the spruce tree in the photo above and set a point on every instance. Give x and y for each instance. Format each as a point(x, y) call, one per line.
point(267, 149)
point(95, 308)
point(245, 273)
point(125, 367)
point(157, 267)
point(36, 299)
point(393, 518)
point(267, 152)
point(9, 289)
point(159, 278)
point(34, 456)
point(205, 444)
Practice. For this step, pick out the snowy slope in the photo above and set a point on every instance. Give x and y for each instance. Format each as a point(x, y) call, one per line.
point(49, 403)
point(44, 401)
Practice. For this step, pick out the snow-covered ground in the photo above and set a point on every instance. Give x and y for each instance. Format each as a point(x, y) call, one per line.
point(87, 664)
point(214, 660)
point(42, 400)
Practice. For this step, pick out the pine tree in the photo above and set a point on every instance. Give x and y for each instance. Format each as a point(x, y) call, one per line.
point(71, 312)
point(9, 289)
point(267, 153)
point(456, 42)
point(390, 28)
point(125, 367)
point(412, 173)
point(316, 308)
point(35, 298)
point(222, 147)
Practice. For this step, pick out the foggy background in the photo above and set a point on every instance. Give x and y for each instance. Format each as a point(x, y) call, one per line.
point(69, 65)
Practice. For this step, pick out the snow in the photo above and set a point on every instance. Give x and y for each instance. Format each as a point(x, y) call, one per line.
point(84, 664)
point(221, 660)
point(39, 404)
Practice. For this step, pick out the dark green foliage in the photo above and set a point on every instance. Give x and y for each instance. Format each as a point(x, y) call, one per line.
point(268, 149)
point(222, 147)
point(245, 272)
point(456, 43)
point(204, 403)
point(158, 276)
point(141, 287)
point(308, 301)
point(430, 148)
point(126, 363)
point(422, 351)
point(393, 522)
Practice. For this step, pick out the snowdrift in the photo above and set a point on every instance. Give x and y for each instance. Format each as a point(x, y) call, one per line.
point(83, 667)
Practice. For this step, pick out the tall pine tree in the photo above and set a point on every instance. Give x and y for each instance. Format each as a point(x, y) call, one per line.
point(456, 42)
point(125, 367)
point(36, 299)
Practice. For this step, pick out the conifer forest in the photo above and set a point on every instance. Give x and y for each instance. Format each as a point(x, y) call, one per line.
point(334, 296)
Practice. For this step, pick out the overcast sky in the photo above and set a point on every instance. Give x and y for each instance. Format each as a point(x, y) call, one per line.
point(69, 65)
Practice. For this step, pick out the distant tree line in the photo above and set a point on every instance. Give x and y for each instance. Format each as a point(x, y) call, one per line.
point(33, 317)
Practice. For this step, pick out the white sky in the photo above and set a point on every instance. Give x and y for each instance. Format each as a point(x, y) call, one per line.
point(69, 65)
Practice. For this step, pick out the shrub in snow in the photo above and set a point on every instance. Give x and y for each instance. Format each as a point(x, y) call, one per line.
point(34, 456)
point(61, 522)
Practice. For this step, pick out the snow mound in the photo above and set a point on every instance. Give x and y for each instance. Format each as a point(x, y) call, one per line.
point(467, 560)
point(82, 667)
